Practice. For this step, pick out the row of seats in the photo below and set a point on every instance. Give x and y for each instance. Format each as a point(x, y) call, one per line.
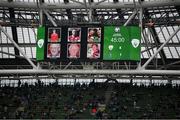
point(95, 100)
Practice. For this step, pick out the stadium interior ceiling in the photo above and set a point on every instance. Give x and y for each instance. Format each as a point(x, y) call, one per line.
point(160, 44)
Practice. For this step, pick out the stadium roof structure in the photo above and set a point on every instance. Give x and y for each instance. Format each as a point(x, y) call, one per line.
point(160, 44)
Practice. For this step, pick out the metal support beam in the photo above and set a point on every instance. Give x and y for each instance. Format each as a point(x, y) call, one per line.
point(120, 14)
point(100, 2)
point(90, 15)
point(17, 56)
point(104, 5)
point(50, 18)
point(92, 72)
point(131, 17)
point(141, 27)
point(157, 42)
point(69, 12)
point(88, 11)
point(173, 63)
point(67, 65)
point(14, 29)
point(124, 77)
point(156, 39)
point(77, 2)
point(160, 48)
point(178, 9)
point(147, 44)
point(15, 44)
point(41, 16)
point(155, 36)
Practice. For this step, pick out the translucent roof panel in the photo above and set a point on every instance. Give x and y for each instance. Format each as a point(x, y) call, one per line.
point(167, 52)
point(20, 35)
point(160, 34)
point(148, 53)
point(26, 35)
point(174, 52)
point(128, 0)
point(53, 1)
point(153, 0)
point(25, 0)
point(29, 51)
point(5, 42)
point(58, 1)
point(144, 54)
point(170, 30)
point(33, 52)
point(148, 36)
point(178, 50)
point(3, 37)
point(5, 50)
point(165, 32)
point(62, 1)
point(176, 38)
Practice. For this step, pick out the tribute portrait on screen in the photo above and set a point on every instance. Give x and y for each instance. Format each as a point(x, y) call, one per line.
point(54, 34)
point(74, 34)
point(93, 50)
point(53, 50)
point(94, 35)
point(73, 50)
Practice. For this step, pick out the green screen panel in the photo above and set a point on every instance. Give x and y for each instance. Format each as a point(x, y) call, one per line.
point(40, 43)
point(135, 40)
point(121, 43)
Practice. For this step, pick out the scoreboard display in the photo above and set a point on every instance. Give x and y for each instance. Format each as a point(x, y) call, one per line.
point(108, 43)
point(121, 43)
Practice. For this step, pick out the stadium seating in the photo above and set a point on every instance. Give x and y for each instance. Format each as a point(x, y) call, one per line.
point(95, 100)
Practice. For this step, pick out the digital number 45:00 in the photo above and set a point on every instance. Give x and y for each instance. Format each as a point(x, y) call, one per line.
point(120, 39)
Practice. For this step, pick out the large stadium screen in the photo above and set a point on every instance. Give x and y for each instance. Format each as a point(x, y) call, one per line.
point(121, 43)
point(87, 43)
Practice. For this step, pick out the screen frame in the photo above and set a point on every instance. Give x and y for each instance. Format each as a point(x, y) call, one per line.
point(83, 44)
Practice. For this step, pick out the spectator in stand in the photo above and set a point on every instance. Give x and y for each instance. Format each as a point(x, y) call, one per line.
point(150, 23)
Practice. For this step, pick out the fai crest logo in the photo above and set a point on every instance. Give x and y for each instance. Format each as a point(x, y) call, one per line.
point(40, 43)
point(135, 43)
point(117, 29)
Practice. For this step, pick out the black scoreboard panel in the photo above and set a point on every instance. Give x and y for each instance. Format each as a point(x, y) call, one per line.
point(72, 43)
point(91, 43)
